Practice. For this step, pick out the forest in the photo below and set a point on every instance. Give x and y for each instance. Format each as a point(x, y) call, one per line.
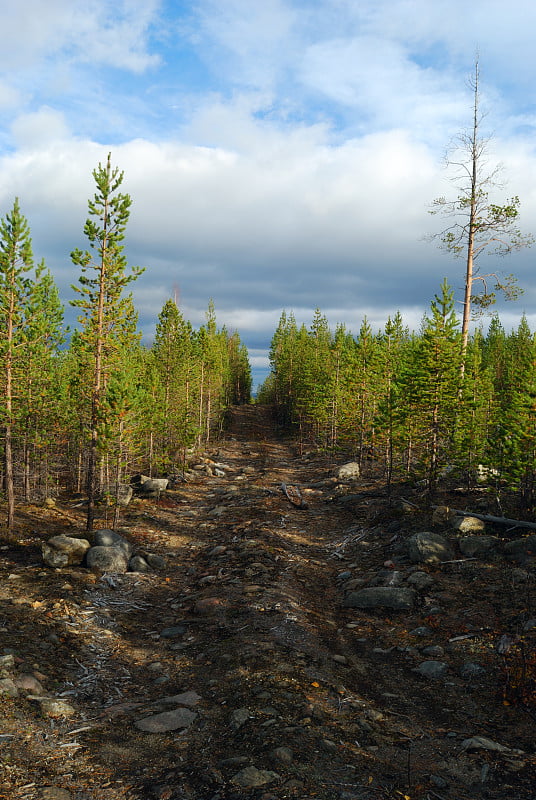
point(83, 410)
point(414, 403)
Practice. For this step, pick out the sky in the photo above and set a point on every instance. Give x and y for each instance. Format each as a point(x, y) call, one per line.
point(280, 154)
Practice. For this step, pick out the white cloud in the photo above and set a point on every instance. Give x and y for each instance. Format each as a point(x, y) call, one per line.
point(37, 130)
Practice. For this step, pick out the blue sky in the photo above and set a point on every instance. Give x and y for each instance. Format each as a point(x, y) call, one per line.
point(280, 154)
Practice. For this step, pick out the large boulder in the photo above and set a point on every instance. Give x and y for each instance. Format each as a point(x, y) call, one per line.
point(109, 538)
point(469, 525)
point(429, 548)
point(106, 559)
point(349, 472)
point(522, 551)
point(149, 487)
point(479, 546)
point(63, 551)
point(394, 597)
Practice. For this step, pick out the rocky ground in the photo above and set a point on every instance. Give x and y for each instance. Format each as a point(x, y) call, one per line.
point(238, 668)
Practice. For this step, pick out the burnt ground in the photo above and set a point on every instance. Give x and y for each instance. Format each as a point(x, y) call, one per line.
point(317, 700)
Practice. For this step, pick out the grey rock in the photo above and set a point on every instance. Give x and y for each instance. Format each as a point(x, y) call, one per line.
point(174, 632)
point(434, 650)
point(394, 597)
point(530, 624)
point(167, 721)
point(478, 546)
point(422, 631)
point(420, 581)
point(522, 551)
point(54, 793)
point(252, 778)
point(7, 662)
point(106, 559)
point(434, 670)
point(155, 561)
point(28, 683)
point(52, 707)
point(138, 564)
point(442, 515)
point(62, 551)
point(469, 525)
point(282, 755)
point(108, 538)
point(239, 717)
point(349, 472)
point(439, 782)
point(123, 493)
point(427, 547)
point(387, 577)
point(8, 688)
point(187, 699)
point(482, 743)
point(469, 671)
point(153, 486)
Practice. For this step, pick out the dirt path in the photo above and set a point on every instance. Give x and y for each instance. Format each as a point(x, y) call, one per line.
point(242, 638)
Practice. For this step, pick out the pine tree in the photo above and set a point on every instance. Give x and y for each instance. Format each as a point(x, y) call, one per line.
point(429, 385)
point(16, 265)
point(104, 311)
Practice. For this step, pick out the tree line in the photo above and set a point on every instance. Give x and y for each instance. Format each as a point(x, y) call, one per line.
point(402, 399)
point(81, 410)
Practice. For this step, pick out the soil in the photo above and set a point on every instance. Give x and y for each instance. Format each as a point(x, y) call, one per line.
point(293, 695)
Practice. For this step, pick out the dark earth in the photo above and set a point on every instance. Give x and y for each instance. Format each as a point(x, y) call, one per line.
point(241, 641)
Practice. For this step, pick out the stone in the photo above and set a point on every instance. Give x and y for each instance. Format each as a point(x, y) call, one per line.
point(522, 551)
point(252, 778)
point(8, 688)
point(167, 721)
point(219, 550)
point(138, 564)
point(54, 793)
point(422, 631)
point(208, 605)
point(442, 515)
point(155, 561)
point(173, 632)
point(153, 486)
point(432, 669)
point(187, 699)
point(394, 597)
point(470, 671)
point(63, 551)
point(106, 559)
point(7, 662)
point(282, 755)
point(478, 546)
point(420, 581)
point(482, 743)
point(340, 659)
point(349, 472)
point(107, 538)
point(28, 683)
point(239, 717)
point(122, 494)
point(469, 525)
point(52, 707)
point(434, 650)
point(429, 548)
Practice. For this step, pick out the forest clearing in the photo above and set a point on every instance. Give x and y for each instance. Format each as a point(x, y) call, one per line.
point(237, 668)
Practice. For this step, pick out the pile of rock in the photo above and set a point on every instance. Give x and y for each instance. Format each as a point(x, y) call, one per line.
point(109, 552)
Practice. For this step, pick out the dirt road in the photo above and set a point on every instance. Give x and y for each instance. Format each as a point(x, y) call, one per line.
point(234, 671)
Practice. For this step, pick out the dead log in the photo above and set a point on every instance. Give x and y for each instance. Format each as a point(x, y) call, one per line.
point(515, 523)
point(293, 495)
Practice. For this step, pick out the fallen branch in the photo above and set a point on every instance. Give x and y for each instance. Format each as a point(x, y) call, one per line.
point(293, 495)
point(517, 523)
